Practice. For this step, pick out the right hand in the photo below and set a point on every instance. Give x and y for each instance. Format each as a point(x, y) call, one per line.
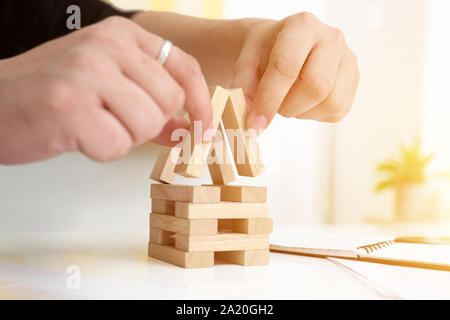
point(99, 90)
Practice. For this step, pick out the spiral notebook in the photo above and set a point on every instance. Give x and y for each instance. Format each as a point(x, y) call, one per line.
point(400, 251)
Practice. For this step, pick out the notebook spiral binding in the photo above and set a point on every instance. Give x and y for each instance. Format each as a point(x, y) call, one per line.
point(377, 246)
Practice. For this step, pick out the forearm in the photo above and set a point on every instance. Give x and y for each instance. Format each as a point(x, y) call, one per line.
point(24, 24)
point(215, 43)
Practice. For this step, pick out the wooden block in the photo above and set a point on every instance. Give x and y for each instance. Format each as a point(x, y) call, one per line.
point(184, 226)
point(181, 258)
point(195, 194)
point(222, 242)
point(163, 206)
point(243, 143)
point(164, 169)
point(243, 194)
point(221, 170)
point(193, 163)
point(245, 257)
point(221, 210)
point(248, 226)
point(159, 236)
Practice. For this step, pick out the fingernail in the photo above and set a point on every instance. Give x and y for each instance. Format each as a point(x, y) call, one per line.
point(209, 133)
point(257, 121)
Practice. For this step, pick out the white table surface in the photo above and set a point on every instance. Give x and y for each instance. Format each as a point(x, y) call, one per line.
point(33, 266)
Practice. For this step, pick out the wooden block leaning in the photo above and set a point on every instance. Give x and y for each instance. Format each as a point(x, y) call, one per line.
point(219, 163)
point(181, 258)
point(243, 144)
point(195, 194)
point(164, 169)
point(245, 257)
point(193, 163)
point(221, 210)
point(184, 226)
point(222, 242)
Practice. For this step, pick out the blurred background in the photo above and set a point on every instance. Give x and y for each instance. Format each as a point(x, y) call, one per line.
point(328, 173)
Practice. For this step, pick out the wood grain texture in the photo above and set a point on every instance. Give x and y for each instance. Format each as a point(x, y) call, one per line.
point(194, 194)
point(221, 210)
point(244, 145)
point(181, 258)
point(248, 226)
point(245, 257)
point(164, 168)
point(184, 226)
point(219, 164)
point(222, 242)
point(163, 206)
point(242, 193)
point(194, 163)
point(159, 236)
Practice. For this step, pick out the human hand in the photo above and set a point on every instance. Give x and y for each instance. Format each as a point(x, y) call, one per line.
point(297, 67)
point(99, 90)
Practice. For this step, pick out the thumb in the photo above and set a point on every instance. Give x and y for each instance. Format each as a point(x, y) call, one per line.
point(247, 76)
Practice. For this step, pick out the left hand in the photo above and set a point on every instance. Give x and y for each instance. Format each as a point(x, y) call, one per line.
point(297, 67)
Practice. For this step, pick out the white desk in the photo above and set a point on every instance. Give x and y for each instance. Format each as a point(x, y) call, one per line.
point(34, 266)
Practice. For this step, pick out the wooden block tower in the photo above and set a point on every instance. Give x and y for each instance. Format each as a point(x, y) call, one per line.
point(191, 226)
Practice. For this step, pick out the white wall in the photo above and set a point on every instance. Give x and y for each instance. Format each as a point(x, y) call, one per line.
point(387, 110)
point(436, 99)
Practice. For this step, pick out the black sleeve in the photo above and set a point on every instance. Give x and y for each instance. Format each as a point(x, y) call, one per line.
point(25, 24)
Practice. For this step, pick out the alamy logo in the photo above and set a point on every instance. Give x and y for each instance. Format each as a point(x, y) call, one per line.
point(374, 18)
point(74, 279)
point(74, 20)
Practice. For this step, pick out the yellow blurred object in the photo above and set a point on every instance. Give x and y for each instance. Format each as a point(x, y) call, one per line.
point(409, 169)
point(211, 9)
point(162, 5)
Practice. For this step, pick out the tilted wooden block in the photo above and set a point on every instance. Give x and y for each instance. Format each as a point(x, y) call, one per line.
point(159, 236)
point(221, 170)
point(245, 257)
point(243, 144)
point(164, 169)
point(181, 258)
point(195, 194)
point(193, 164)
point(163, 206)
point(222, 242)
point(184, 226)
point(221, 210)
point(248, 226)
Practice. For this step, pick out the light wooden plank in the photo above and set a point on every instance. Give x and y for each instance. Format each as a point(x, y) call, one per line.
point(248, 226)
point(222, 242)
point(195, 194)
point(184, 226)
point(244, 144)
point(245, 257)
point(164, 168)
point(181, 258)
point(221, 210)
point(159, 236)
point(193, 164)
point(242, 193)
point(221, 170)
point(163, 206)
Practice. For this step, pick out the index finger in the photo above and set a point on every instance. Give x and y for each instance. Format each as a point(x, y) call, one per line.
point(187, 72)
point(285, 63)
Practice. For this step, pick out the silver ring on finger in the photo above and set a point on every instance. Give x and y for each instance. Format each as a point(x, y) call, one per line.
point(164, 52)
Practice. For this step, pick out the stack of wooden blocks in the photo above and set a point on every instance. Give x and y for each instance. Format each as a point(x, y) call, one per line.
point(191, 226)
